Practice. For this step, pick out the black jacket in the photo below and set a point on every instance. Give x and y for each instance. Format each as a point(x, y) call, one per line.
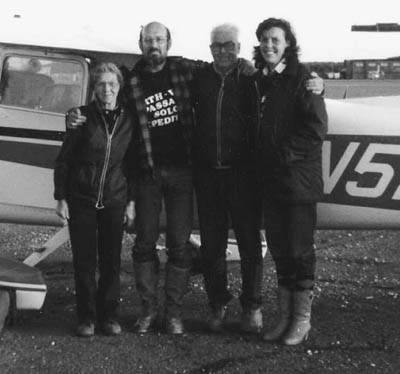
point(223, 111)
point(290, 132)
point(94, 163)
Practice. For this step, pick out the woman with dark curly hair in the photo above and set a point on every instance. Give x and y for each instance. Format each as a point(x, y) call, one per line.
point(291, 129)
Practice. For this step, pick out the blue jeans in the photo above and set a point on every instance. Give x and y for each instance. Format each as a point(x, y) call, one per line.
point(172, 185)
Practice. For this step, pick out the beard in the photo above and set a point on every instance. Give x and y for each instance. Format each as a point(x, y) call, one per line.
point(155, 60)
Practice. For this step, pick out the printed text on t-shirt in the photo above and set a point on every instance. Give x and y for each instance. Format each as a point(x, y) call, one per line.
point(161, 109)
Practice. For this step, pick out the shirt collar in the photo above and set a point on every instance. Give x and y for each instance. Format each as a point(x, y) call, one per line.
point(100, 107)
point(227, 72)
point(279, 68)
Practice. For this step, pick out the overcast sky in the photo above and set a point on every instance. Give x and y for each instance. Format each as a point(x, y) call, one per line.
point(322, 27)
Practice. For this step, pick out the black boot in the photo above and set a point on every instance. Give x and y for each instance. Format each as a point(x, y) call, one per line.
point(176, 282)
point(252, 273)
point(146, 278)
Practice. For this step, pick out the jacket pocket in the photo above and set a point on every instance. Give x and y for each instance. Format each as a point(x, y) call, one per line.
point(116, 186)
point(85, 180)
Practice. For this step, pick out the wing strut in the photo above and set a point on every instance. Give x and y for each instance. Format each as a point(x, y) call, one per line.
point(49, 247)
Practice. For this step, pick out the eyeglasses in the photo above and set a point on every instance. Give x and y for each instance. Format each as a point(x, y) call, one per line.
point(103, 84)
point(227, 46)
point(150, 41)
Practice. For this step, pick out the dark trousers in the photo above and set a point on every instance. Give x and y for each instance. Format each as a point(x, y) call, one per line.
point(173, 186)
point(220, 194)
point(96, 237)
point(289, 231)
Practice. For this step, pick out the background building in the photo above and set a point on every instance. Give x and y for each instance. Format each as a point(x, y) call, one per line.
point(358, 69)
point(372, 69)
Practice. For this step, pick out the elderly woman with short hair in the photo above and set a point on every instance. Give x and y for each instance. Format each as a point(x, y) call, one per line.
point(94, 192)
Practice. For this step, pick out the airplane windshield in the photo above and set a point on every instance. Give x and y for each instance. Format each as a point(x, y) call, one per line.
point(41, 84)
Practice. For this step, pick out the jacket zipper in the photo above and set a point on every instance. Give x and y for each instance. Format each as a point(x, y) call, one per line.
point(258, 124)
point(273, 127)
point(99, 202)
point(218, 127)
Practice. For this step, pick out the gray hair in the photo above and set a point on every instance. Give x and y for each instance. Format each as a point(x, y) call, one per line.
point(225, 27)
point(105, 67)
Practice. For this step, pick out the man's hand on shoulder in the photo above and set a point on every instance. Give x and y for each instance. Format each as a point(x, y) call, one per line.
point(315, 84)
point(74, 119)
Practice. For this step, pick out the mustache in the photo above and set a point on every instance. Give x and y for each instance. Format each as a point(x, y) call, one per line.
point(154, 50)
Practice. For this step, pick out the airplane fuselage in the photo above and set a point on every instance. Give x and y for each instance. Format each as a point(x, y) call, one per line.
point(361, 168)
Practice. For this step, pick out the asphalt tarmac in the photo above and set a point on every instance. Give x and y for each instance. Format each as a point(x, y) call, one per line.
point(356, 324)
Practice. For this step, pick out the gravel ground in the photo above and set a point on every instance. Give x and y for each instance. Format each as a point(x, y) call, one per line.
point(356, 321)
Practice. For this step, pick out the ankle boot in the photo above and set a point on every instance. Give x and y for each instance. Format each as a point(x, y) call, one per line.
point(252, 321)
point(300, 326)
point(146, 278)
point(285, 312)
point(252, 274)
point(217, 318)
point(176, 283)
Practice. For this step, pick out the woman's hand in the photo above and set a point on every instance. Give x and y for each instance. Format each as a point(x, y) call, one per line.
point(129, 217)
point(62, 210)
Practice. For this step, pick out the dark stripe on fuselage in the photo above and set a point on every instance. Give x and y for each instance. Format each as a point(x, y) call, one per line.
point(41, 155)
point(31, 133)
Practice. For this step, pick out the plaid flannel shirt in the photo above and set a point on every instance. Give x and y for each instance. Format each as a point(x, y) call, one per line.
point(181, 73)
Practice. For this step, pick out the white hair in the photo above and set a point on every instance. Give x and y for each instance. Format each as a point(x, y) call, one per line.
point(227, 28)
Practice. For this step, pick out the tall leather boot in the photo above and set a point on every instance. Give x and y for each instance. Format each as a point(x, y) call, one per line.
point(146, 278)
point(300, 326)
point(176, 283)
point(285, 313)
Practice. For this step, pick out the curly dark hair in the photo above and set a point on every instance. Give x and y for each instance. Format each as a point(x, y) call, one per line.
point(292, 51)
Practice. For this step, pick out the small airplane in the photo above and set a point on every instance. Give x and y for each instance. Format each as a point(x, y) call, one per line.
point(38, 84)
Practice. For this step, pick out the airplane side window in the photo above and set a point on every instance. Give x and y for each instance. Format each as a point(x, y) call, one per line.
point(41, 84)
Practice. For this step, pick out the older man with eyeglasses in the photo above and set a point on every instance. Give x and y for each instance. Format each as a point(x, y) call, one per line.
point(225, 180)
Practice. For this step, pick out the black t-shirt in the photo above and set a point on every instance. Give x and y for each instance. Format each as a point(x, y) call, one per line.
point(166, 132)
